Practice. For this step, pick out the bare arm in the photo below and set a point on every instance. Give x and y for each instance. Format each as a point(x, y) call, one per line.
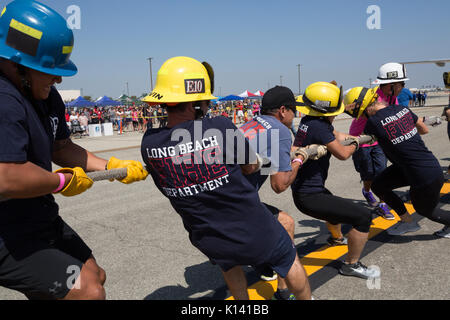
point(27, 180)
point(68, 154)
point(340, 136)
point(421, 126)
point(339, 151)
point(280, 181)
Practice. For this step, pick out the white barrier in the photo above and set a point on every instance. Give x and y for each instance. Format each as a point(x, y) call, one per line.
point(107, 129)
point(95, 130)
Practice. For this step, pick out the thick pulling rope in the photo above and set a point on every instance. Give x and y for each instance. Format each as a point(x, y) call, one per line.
point(107, 174)
point(98, 176)
point(313, 151)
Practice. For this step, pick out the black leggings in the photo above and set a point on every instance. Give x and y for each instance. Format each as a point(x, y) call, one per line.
point(325, 206)
point(424, 198)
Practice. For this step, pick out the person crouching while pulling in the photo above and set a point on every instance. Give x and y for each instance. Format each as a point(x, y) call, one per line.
point(398, 131)
point(322, 102)
point(269, 135)
point(220, 209)
point(38, 249)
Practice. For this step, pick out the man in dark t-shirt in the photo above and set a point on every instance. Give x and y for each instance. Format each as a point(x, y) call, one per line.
point(40, 255)
point(199, 163)
point(398, 132)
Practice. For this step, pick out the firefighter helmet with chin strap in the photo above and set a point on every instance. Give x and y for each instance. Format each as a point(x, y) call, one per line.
point(362, 97)
point(37, 37)
point(321, 99)
point(182, 79)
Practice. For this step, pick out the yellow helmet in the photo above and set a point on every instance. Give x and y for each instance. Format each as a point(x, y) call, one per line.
point(362, 97)
point(446, 76)
point(182, 79)
point(321, 99)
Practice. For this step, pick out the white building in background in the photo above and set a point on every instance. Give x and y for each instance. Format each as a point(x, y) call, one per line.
point(69, 95)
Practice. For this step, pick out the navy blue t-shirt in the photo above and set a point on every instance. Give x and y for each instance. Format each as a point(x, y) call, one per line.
point(312, 175)
point(196, 166)
point(397, 135)
point(271, 140)
point(27, 133)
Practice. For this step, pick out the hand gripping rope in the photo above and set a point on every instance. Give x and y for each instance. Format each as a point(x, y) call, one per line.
point(312, 152)
point(99, 175)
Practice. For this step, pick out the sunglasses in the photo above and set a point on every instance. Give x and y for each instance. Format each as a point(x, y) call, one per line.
point(293, 108)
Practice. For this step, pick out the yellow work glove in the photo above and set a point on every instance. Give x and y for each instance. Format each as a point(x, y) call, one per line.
point(135, 170)
point(79, 183)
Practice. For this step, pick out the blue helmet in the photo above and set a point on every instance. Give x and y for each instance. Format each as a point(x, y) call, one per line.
point(37, 37)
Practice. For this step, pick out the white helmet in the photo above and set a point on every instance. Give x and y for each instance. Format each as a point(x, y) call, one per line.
point(391, 72)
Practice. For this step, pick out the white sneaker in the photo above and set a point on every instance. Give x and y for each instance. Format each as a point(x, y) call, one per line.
point(403, 227)
point(444, 233)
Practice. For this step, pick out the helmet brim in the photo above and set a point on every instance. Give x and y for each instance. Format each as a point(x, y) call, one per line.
point(381, 81)
point(306, 110)
point(67, 70)
point(154, 98)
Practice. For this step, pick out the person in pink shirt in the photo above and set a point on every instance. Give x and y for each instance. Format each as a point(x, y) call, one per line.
point(256, 109)
point(370, 160)
point(134, 117)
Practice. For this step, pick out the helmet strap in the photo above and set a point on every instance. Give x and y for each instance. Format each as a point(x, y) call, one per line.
point(198, 110)
point(391, 97)
point(25, 83)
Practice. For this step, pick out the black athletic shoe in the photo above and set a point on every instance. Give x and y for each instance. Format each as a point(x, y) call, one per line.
point(337, 242)
point(268, 275)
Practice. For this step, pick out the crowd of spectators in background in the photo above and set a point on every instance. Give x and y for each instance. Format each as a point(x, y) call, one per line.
point(409, 98)
point(140, 118)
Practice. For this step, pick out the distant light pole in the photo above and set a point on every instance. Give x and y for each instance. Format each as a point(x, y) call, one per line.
point(299, 88)
point(151, 78)
point(370, 83)
point(281, 80)
point(128, 90)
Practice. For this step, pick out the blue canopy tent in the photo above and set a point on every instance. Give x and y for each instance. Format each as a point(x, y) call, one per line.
point(230, 98)
point(80, 102)
point(105, 101)
point(214, 101)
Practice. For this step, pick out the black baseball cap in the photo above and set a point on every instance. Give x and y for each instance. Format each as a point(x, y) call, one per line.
point(278, 96)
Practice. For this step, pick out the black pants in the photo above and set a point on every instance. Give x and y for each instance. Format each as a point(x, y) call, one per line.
point(423, 198)
point(325, 206)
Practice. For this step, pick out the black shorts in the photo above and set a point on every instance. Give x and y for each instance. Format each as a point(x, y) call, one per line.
point(46, 268)
point(335, 210)
point(369, 162)
point(275, 211)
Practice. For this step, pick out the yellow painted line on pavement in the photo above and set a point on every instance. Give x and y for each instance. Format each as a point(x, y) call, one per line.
point(314, 261)
point(446, 188)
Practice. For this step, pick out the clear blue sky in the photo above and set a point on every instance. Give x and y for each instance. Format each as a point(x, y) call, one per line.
point(251, 44)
